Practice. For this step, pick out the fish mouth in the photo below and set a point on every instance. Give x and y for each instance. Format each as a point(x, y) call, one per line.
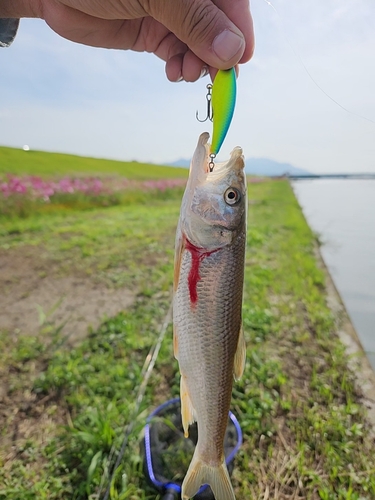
point(200, 164)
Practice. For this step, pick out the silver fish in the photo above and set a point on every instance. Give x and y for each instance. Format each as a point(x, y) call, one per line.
point(208, 284)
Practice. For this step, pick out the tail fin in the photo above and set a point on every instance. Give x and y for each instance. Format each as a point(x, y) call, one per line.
point(200, 473)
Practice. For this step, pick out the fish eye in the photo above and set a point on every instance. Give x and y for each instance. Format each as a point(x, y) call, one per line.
point(232, 196)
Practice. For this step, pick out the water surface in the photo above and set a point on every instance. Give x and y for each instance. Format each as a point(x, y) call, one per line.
point(342, 212)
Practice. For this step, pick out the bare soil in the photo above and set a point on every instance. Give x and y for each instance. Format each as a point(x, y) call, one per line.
point(31, 285)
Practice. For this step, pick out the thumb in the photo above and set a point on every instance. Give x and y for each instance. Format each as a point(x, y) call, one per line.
point(203, 27)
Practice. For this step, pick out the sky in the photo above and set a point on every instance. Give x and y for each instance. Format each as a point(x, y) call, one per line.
point(59, 96)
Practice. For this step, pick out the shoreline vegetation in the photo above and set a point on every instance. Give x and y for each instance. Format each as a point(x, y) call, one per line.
point(305, 409)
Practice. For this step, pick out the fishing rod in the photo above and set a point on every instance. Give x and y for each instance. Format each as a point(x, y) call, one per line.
point(147, 369)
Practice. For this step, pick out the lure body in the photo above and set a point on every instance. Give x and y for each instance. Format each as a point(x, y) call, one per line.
point(223, 103)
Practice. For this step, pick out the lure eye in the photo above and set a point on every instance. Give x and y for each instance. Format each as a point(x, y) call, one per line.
point(232, 196)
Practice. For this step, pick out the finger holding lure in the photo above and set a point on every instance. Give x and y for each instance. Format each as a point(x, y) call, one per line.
point(221, 101)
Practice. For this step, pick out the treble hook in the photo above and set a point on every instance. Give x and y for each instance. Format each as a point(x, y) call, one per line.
point(210, 113)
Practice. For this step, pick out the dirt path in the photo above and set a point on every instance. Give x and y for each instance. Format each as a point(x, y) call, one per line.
point(31, 287)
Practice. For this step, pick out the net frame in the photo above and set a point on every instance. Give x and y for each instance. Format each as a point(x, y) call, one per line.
point(162, 486)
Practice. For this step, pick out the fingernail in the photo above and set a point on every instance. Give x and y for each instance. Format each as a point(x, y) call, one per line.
point(227, 44)
point(180, 78)
point(204, 72)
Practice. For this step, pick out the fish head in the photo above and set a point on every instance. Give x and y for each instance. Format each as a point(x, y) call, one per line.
point(214, 206)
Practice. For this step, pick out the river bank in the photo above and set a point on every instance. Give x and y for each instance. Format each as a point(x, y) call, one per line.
point(358, 361)
point(64, 405)
point(341, 213)
point(317, 204)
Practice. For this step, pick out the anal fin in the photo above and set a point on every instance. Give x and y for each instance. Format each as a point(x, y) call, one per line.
point(240, 356)
point(175, 342)
point(187, 410)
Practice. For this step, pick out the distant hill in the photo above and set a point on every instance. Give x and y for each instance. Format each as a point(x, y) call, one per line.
point(267, 167)
point(182, 162)
point(257, 166)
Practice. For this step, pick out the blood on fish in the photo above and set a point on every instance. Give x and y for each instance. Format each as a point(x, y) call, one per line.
point(197, 256)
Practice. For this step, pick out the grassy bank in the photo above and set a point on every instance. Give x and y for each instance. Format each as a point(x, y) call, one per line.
point(18, 162)
point(63, 408)
point(34, 182)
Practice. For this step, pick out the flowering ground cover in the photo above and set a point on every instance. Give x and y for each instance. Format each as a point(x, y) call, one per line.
point(24, 195)
point(38, 188)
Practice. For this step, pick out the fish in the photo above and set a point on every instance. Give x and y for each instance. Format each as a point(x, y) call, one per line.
point(208, 336)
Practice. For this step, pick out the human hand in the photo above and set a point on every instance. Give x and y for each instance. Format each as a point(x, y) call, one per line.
point(193, 37)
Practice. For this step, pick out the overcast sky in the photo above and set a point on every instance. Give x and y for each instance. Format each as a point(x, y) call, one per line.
point(60, 96)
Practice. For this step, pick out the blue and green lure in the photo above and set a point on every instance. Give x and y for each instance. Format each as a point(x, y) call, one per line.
point(223, 102)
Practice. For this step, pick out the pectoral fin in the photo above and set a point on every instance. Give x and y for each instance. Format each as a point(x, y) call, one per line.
point(187, 410)
point(240, 356)
point(179, 248)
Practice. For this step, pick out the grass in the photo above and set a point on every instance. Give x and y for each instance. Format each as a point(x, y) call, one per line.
point(305, 429)
point(19, 162)
point(117, 244)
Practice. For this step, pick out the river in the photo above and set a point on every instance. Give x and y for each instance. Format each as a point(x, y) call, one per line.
point(342, 213)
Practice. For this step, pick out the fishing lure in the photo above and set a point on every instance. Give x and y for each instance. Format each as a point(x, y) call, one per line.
point(221, 100)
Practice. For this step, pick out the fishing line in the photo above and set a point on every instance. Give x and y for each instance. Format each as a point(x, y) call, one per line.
point(299, 58)
point(146, 372)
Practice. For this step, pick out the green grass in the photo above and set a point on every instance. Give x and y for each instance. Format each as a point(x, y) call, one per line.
point(306, 435)
point(117, 245)
point(19, 162)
